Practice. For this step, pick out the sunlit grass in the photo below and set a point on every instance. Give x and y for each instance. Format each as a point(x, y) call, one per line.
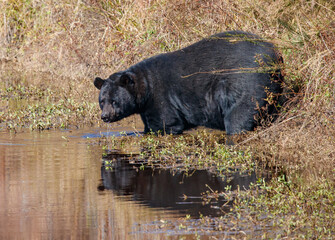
point(39, 108)
point(72, 42)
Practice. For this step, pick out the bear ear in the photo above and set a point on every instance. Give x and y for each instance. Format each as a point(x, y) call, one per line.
point(127, 80)
point(98, 82)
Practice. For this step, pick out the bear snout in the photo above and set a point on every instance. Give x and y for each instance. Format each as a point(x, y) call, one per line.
point(108, 114)
point(105, 117)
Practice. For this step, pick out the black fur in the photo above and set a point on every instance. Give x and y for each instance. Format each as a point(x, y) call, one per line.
point(221, 82)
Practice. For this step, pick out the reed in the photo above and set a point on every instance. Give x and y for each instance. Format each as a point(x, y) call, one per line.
point(58, 47)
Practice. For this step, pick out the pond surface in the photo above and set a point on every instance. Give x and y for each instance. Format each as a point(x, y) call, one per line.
point(58, 185)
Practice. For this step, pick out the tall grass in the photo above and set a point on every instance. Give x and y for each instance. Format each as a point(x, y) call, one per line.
point(74, 41)
point(80, 39)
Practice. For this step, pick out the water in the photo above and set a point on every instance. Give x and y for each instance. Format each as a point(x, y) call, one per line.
point(58, 185)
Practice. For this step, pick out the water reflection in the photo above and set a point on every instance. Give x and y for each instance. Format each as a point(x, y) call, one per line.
point(48, 190)
point(111, 134)
point(164, 188)
point(47, 186)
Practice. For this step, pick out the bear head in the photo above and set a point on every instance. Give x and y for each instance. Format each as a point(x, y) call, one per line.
point(117, 98)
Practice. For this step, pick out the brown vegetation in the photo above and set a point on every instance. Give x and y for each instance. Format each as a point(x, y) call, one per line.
point(74, 41)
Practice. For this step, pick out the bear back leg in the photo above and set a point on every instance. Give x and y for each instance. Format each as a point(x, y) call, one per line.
point(240, 118)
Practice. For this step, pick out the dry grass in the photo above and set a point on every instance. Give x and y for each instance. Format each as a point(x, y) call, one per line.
point(74, 41)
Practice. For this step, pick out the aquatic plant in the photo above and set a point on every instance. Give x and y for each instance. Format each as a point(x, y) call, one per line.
point(58, 48)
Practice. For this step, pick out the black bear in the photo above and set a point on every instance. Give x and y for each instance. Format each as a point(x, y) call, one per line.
point(220, 82)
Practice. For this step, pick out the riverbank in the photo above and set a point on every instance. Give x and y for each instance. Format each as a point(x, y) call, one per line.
point(50, 54)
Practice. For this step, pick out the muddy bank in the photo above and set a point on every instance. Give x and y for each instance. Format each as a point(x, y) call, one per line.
point(52, 52)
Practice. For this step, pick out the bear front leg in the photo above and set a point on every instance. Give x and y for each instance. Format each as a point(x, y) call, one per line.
point(145, 122)
point(158, 124)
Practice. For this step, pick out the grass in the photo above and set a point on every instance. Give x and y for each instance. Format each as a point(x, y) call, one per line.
point(200, 149)
point(50, 53)
point(297, 202)
point(40, 107)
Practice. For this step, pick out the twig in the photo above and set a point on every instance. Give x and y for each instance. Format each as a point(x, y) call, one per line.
point(267, 130)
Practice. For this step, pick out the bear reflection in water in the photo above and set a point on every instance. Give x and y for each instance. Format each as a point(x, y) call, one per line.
point(163, 188)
